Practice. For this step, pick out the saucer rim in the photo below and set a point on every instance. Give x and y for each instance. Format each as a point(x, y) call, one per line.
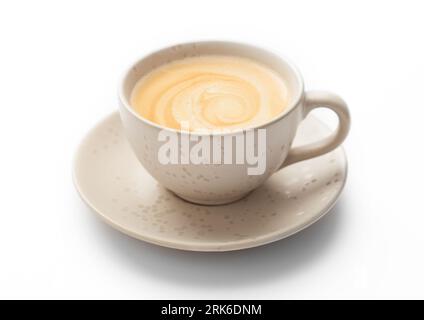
point(194, 246)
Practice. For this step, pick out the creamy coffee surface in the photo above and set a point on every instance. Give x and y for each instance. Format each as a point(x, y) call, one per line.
point(210, 93)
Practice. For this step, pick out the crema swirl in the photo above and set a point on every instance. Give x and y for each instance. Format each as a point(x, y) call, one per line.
point(210, 93)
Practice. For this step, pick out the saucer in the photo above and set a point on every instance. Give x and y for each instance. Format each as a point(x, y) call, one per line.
point(114, 184)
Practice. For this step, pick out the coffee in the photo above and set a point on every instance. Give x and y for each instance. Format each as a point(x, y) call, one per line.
point(210, 92)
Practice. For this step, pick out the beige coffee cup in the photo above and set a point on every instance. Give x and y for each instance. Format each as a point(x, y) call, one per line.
point(212, 183)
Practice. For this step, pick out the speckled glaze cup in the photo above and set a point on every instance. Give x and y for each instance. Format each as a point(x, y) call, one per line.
point(214, 184)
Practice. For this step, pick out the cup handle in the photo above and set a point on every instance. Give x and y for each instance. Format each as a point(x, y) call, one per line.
point(318, 99)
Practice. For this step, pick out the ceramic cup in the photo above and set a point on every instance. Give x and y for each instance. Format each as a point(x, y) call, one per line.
point(212, 183)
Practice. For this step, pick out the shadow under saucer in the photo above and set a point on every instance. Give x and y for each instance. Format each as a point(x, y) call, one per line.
point(280, 259)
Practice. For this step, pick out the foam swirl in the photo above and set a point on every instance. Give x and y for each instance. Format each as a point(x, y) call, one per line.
point(210, 92)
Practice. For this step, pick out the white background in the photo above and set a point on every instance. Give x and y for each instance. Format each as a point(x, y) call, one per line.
point(60, 63)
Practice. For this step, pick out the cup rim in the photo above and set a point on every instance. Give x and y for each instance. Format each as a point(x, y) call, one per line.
point(290, 108)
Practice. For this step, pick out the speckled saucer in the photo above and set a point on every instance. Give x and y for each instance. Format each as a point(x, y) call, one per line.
point(113, 183)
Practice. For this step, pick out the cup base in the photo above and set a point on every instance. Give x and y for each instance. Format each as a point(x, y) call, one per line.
point(215, 202)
